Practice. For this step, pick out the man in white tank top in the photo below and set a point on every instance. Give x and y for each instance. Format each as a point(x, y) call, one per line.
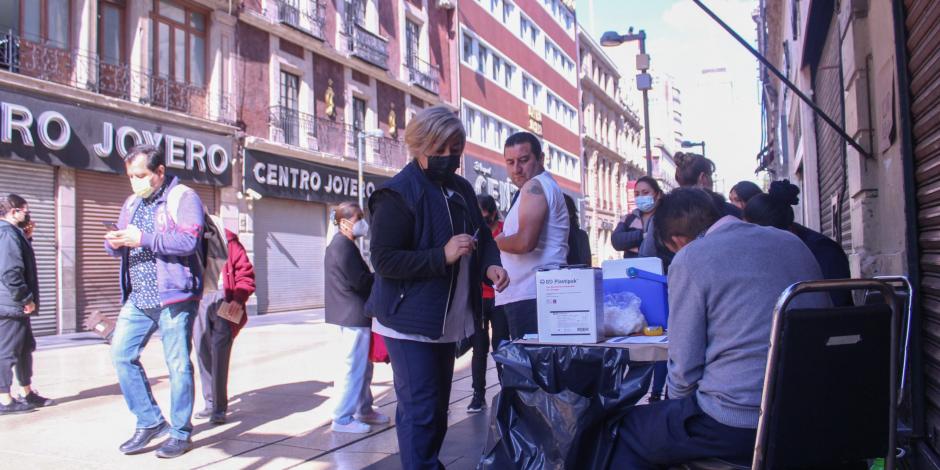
point(535, 232)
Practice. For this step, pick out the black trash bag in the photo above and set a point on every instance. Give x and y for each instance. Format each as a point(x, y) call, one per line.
point(559, 405)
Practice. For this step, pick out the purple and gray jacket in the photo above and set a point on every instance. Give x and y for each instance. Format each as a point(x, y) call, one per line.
point(175, 244)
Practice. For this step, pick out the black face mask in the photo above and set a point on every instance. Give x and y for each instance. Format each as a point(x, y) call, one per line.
point(25, 221)
point(441, 168)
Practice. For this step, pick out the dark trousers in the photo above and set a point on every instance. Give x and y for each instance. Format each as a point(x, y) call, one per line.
point(213, 337)
point(659, 378)
point(423, 373)
point(16, 351)
point(672, 432)
point(522, 317)
point(494, 317)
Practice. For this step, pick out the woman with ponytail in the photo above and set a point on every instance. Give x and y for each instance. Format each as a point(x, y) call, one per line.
point(775, 209)
point(695, 171)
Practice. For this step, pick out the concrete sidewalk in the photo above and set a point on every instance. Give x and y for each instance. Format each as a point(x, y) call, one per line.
point(281, 379)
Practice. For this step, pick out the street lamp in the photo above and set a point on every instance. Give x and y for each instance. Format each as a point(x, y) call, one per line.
point(644, 82)
point(689, 144)
point(360, 157)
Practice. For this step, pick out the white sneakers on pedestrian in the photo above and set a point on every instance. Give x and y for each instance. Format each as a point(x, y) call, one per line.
point(374, 418)
point(352, 427)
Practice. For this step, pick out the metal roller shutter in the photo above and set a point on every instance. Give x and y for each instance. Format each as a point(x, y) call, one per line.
point(834, 217)
point(290, 242)
point(99, 197)
point(36, 184)
point(923, 44)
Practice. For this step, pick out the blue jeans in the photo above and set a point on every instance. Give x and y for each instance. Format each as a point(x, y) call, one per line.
point(354, 385)
point(423, 374)
point(133, 330)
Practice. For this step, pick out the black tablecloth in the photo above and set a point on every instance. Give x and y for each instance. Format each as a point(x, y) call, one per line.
point(559, 405)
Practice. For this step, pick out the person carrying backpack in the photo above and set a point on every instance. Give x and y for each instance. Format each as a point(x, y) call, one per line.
point(159, 239)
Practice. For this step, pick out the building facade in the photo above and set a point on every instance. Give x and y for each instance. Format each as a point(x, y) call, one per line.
point(871, 67)
point(258, 105)
point(517, 72)
point(612, 151)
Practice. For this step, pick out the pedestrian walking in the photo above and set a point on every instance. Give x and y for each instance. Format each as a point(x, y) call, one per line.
point(18, 301)
point(535, 233)
point(220, 317)
point(775, 209)
point(430, 250)
point(579, 245)
point(492, 316)
point(347, 289)
point(158, 237)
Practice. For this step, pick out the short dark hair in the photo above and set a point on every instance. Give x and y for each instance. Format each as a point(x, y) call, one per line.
point(689, 166)
point(9, 202)
point(346, 210)
point(685, 212)
point(774, 209)
point(487, 203)
point(523, 137)
point(150, 152)
point(746, 190)
point(651, 182)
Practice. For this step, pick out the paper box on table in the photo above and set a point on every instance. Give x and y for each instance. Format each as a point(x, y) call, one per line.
point(570, 305)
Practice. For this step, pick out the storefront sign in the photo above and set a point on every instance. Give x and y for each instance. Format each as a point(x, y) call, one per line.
point(71, 135)
point(290, 178)
point(488, 178)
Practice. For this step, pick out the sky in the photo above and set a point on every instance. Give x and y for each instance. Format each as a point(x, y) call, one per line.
point(722, 108)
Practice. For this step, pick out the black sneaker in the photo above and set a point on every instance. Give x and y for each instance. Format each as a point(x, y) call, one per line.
point(174, 448)
point(142, 437)
point(217, 418)
point(476, 404)
point(35, 399)
point(16, 407)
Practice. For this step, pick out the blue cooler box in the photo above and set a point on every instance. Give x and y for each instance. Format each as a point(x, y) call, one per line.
point(649, 287)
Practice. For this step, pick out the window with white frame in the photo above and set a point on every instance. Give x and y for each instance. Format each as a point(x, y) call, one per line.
point(528, 32)
point(488, 62)
point(561, 14)
point(559, 60)
point(562, 163)
point(485, 129)
point(532, 92)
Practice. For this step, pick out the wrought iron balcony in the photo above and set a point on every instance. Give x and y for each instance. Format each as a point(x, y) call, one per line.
point(90, 73)
point(333, 138)
point(366, 45)
point(307, 16)
point(424, 75)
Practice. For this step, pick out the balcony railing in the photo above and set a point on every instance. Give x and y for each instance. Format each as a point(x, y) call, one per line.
point(424, 75)
point(88, 72)
point(308, 16)
point(365, 44)
point(333, 138)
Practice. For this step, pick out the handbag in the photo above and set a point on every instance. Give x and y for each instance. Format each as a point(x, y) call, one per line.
point(377, 350)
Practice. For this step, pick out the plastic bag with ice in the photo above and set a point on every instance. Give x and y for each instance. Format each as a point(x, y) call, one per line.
point(622, 315)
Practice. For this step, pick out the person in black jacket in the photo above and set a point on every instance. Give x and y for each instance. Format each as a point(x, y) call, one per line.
point(431, 249)
point(347, 288)
point(629, 234)
point(579, 245)
point(775, 209)
point(19, 299)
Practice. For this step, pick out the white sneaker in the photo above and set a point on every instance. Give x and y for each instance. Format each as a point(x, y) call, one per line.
point(373, 418)
point(354, 427)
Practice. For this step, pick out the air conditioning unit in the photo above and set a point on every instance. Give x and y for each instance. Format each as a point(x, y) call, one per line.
point(446, 4)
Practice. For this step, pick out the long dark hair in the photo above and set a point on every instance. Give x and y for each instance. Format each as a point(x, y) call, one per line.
point(652, 183)
point(774, 209)
point(686, 212)
point(746, 190)
point(689, 166)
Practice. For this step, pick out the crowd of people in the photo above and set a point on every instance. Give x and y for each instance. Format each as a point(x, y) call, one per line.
point(448, 274)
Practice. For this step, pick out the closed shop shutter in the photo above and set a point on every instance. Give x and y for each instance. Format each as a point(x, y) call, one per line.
point(834, 217)
point(36, 184)
point(923, 44)
point(99, 197)
point(290, 242)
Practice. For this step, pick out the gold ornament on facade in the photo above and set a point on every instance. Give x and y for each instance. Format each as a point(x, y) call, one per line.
point(328, 98)
point(392, 122)
point(535, 121)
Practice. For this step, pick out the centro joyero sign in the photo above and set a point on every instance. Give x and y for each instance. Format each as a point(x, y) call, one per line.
point(290, 178)
point(87, 138)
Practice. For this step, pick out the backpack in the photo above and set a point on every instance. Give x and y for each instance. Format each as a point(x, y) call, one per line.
point(213, 252)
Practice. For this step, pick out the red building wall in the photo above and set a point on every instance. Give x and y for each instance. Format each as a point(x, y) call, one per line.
point(253, 49)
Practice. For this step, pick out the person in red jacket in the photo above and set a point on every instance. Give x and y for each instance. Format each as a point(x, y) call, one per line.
point(221, 316)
